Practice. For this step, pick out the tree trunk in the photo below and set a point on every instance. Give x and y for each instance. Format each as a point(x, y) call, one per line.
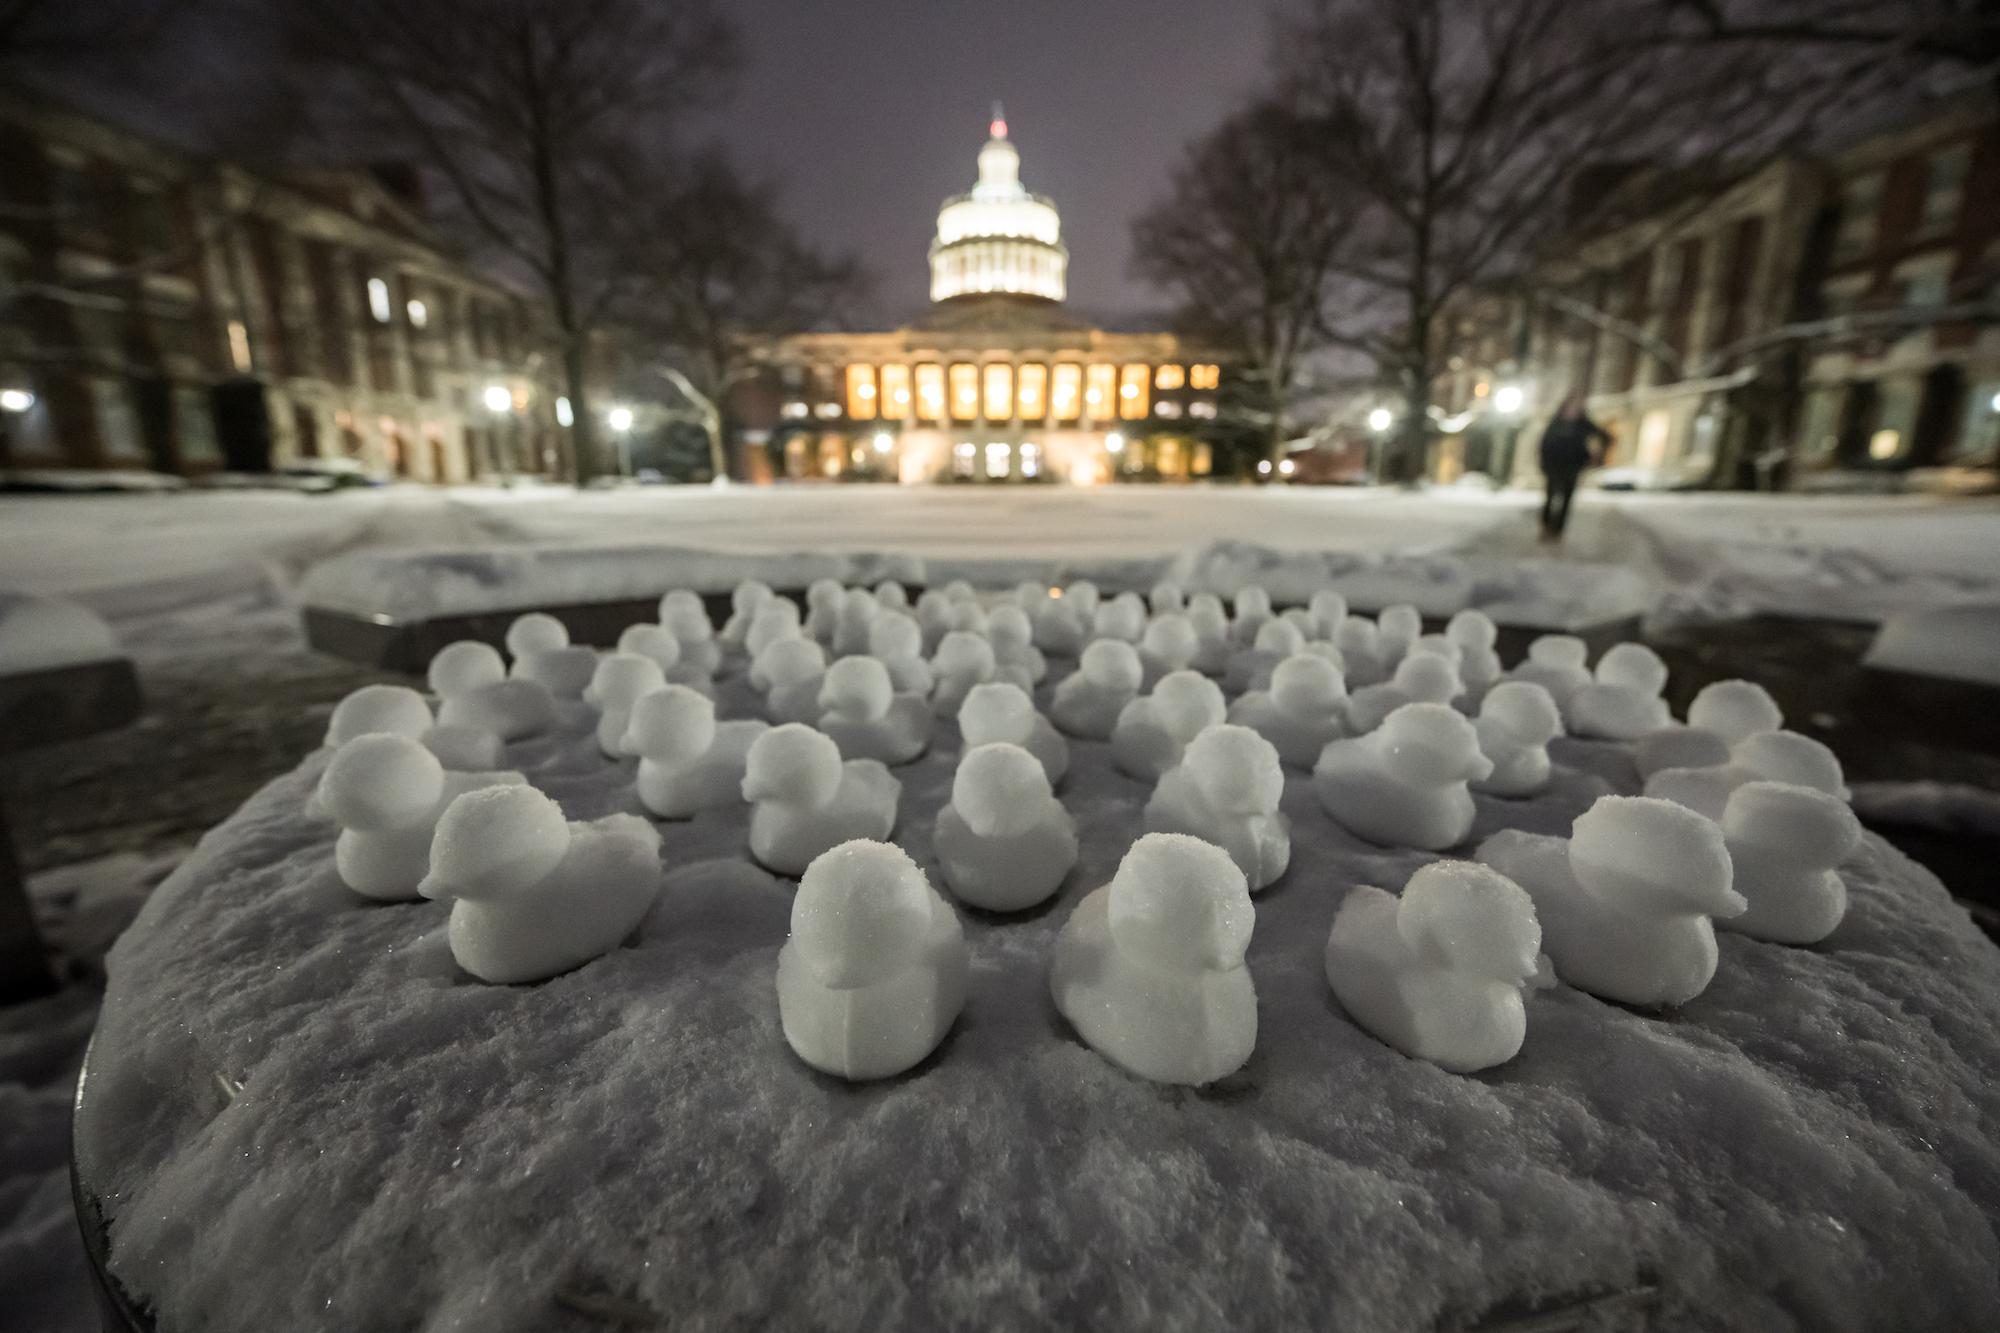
point(583, 433)
point(718, 448)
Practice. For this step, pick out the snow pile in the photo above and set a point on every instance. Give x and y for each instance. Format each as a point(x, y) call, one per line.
point(43, 633)
point(1812, 1139)
point(1954, 642)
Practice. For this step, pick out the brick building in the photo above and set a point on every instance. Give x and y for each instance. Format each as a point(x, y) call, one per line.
point(162, 311)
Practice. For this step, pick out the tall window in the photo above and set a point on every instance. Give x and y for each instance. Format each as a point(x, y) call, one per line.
point(378, 300)
point(1203, 377)
point(930, 392)
point(895, 391)
point(1034, 391)
point(1168, 377)
point(964, 392)
point(1860, 209)
point(1133, 404)
point(1944, 185)
point(1100, 390)
point(1066, 391)
point(999, 391)
point(861, 392)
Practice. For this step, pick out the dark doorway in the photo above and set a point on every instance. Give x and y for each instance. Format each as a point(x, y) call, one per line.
point(1857, 423)
point(153, 400)
point(242, 424)
point(305, 428)
point(1937, 416)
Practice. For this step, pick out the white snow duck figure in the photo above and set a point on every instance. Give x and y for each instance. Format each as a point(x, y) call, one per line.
point(1474, 634)
point(1225, 791)
point(776, 619)
point(793, 670)
point(620, 681)
point(1250, 669)
point(1153, 729)
point(395, 710)
point(1251, 608)
point(1517, 720)
point(852, 620)
point(1766, 756)
point(701, 655)
point(823, 609)
point(1420, 678)
point(1360, 646)
point(1626, 902)
point(1005, 842)
point(746, 599)
point(897, 642)
point(1088, 701)
point(1328, 610)
point(1165, 598)
point(1439, 972)
point(1723, 713)
point(1405, 783)
point(874, 973)
point(1556, 662)
point(865, 716)
point(963, 660)
point(475, 692)
point(688, 762)
point(1061, 625)
point(543, 654)
point(805, 800)
point(1303, 711)
point(1169, 644)
point(1001, 711)
point(651, 640)
point(386, 793)
point(1784, 842)
point(1622, 702)
point(1397, 629)
point(1123, 617)
point(1013, 640)
point(1150, 968)
point(1213, 646)
point(534, 894)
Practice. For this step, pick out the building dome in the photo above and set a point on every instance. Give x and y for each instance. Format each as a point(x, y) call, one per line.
point(998, 238)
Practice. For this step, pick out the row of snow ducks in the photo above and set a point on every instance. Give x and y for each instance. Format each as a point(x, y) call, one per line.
point(1742, 823)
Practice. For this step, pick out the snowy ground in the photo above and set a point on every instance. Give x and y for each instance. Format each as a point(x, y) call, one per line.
point(202, 589)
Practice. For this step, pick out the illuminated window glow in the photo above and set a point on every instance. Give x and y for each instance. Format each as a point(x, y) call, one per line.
point(1204, 377)
point(1132, 401)
point(1168, 377)
point(1884, 444)
point(1033, 391)
point(378, 300)
point(420, 314)
point(1100, 383)
point(964, 392)
point(861, 392)
point(1066, 391)
point(999, 391)
point(1031, 460)
point(997, 458)
point(239, 346)
point(998, 238)
point(895, 391)
point(930, 393)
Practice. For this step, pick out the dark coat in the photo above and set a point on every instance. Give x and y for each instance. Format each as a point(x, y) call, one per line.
point(1566, 443)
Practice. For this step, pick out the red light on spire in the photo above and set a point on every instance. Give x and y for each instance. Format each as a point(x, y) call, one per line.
point(998, 129)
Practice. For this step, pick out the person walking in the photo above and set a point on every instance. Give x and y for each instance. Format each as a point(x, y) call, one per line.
point(1571, 443)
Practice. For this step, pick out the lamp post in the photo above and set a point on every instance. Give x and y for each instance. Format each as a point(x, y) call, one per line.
point(1508, 401)
point(619, 418)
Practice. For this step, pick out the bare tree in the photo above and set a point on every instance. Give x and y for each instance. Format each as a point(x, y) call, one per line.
point(720, 275)
point(530, 112)
point(1455, 131)
point(1959, 33)
point(1245, 237)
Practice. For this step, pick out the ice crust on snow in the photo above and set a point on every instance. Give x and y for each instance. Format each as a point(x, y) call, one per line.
point(1327, 1180)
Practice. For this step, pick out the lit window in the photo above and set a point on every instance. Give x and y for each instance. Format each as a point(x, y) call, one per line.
point(1033, 390)
point(1031, 460)
point(1132, 401)
point(1099, 384)
point(999, 391)
point(378, 300)
point(420, 315)
point(930, 393)
point(997, 459)
point(566, 415)
point(963, 457)
point(895, 391)
point(239, 346)
point(861, 392)
point(827, 411)
point(1204, 410)
point(1168, 377)
point(1066, 391)
point(1883, 444)
point(1166, 409)
point(796, 409)
point(1204, 377)
point(964, 392)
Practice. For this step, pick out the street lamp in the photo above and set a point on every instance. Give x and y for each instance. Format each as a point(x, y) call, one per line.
point(1287, 467)
point(884, 442)
point(1381, 419)
point(619, 418)
point(565, 415)
point(498, 398)
point(1114, 443)
point(16, 400)
point(1507, 399)
point(1263, 467)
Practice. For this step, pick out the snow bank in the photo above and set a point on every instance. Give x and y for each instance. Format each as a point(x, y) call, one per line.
point(1814, 1141)
point(1954, 642)
point(43, 633)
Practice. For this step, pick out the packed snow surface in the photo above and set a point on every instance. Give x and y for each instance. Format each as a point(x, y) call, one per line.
point(290, 1079)
point(44, 633)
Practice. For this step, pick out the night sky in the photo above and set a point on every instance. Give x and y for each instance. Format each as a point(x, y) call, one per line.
point(867, 113)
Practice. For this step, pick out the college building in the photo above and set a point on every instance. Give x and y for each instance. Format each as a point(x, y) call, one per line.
point(1821, 320)
point(161, 311)
point(997, 382)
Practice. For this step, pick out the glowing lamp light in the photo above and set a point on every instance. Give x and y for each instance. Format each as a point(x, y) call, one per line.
point(1263, 467)
point(16, 400)
point(864, 390)
point(497, 398)
point(565, 416)
point(1381, 419)
point(1288, 467)
point(1995, 403)
point(884, 442)
point(1114, 443)
point(1129, 391)
point(619, 418)
point(1507, 399)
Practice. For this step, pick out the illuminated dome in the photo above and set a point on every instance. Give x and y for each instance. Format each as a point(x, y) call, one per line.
point(999, 238)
